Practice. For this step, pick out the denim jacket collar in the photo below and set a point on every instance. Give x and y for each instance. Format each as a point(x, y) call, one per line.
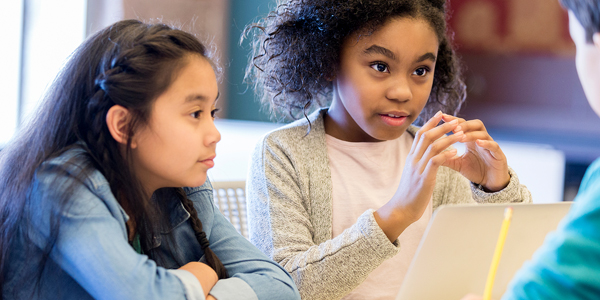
point(96, 181)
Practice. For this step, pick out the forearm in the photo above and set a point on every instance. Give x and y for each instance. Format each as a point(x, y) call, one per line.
point(203, 273)
point(391, 221)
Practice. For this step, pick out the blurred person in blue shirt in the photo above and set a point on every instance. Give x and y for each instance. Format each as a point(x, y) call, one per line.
point(567, 265)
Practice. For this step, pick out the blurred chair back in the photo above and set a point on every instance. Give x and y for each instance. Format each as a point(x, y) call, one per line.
point(230, 198)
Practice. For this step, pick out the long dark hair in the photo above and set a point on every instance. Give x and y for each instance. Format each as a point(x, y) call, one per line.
point(296, 50)
point(130, 64)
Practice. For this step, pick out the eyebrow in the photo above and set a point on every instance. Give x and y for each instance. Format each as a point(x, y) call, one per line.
point(427, 56)
point(388, 53)
point(200, 97)
point(381, 50)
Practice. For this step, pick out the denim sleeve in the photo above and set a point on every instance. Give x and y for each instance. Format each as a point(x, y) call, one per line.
point(92, 246)
point(233, 288)
point(193, 289)
point(567, 266)
point(252, 274)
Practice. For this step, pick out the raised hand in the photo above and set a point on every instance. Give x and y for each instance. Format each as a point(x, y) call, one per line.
point(426, 155)
point(483, 162)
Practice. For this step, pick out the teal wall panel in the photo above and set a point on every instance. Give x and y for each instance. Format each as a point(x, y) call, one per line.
point(242, 103)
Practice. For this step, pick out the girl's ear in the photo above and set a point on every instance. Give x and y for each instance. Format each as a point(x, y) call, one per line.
point(596, 39)
point(117, 120)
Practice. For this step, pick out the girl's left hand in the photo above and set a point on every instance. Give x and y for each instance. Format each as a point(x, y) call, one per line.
point(483, 162)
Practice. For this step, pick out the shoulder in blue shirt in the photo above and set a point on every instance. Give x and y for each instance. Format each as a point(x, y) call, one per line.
point(567, 266)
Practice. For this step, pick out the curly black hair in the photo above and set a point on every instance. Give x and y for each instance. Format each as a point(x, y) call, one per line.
point(296, 48)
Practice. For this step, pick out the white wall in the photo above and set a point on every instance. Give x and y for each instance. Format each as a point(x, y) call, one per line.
point(233, 151)
point(11, 16)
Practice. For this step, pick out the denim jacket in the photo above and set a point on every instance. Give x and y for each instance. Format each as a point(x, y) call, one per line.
point(92, 259)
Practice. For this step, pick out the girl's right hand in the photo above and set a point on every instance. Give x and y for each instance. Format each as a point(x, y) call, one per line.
point(205, 274)
point(414, 192)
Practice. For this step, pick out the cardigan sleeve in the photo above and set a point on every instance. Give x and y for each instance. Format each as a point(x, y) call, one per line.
point(513, 192)
point(279, 215)
point(453, 188)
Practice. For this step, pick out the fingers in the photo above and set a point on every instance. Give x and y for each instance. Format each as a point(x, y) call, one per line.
point(471, 125)
point(473, 129)
point(492, 148)
point(427, 135)
point(476, 135)
point(432, 123)
point(431, 141)
point(438, 147)
point(438, 160)
point(448, 118)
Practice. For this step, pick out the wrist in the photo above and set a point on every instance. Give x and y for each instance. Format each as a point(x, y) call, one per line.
point(392, 221)
point(497, 186)
point(205, 275)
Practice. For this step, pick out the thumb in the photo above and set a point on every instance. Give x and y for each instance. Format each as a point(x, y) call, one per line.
point(453, 163)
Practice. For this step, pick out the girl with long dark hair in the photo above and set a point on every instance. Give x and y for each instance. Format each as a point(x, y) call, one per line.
point(103, 194)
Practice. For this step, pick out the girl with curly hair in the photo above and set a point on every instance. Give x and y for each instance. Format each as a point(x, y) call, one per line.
point(341, 197)
point(103, 195)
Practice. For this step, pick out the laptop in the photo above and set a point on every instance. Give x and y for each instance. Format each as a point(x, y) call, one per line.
point(455, 253)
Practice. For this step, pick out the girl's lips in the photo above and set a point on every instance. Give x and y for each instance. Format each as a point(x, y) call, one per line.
point(209, 162)
point(393, 121)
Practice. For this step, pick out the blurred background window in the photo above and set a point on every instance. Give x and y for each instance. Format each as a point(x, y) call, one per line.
point(522, 82)
point(11, 17)
point(52, 30)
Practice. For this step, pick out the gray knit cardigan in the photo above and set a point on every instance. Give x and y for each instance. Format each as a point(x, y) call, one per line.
point(290, 211)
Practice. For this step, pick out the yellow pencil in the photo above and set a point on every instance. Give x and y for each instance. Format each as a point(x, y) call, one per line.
point(489, 285)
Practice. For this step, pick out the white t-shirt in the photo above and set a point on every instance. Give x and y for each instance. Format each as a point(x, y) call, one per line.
point(366, 176)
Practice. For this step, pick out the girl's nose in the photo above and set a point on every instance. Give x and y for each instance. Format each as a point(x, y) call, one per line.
point(212, 135)
point(399, 89)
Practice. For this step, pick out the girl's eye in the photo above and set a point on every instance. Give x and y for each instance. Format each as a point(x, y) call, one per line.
point(380, 67)
point(196, 114)
point(421, 71)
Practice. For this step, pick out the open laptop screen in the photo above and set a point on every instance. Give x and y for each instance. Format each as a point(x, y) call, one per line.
point(455, 253)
